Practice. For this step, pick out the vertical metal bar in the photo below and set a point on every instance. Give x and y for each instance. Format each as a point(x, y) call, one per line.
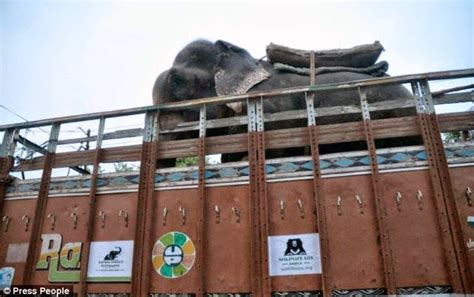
point(144, 212)
point(201, 234)
point(91, 211)
point(454, 219)
point(41, 203)
point(380, 208)
point(447, 239)
point(7, 150)
point(254, 244)
point(313, 130)
point(263, 200)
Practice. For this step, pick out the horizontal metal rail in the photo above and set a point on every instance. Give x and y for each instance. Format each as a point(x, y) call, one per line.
point(453, 74)
point(276, 139)
point(279, 116)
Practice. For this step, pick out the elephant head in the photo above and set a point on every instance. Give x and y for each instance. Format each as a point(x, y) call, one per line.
point(204, 69)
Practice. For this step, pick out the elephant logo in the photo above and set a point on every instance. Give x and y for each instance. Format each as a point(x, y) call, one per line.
point(113, 254)
point(294, 247)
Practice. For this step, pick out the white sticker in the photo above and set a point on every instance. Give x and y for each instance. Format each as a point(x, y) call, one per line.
point(470, 221)
point(16, 253)
point(110, 261)
point(6, 277)
point(294, 254)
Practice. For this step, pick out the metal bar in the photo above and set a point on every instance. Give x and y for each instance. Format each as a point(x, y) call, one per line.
point(313, 130)
point(202, 219)
point(444, 91)
point(41, 203)
point(29, 144)
point(91, 211)
point(446, 235)
point(144, 225)
point(263, 201)
point(149, 227)
point(8, 143)
point(448, 191)
point(280, 116)
point(294, 137)
point(229, 99)
point(380, 208)
point(7, 150)
point(254, 244)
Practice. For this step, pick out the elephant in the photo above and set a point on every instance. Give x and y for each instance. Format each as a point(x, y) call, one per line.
point(112, 255)
point(206, 69)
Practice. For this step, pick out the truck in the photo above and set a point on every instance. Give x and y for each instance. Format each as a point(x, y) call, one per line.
point(384, 220)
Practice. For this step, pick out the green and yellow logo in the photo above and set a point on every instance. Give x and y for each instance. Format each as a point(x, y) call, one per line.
point(173, 255)
point(68, 257)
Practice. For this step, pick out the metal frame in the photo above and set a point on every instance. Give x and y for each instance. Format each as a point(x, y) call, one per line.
point(7, 150)
point(91, 211)
point(380, 207)
point(447, 188)
point(255, 243)
point(229, 99)
point(143, 229)
point(313, 131)
point(41, 203)
point(202, 214)
point(263, 200)
point(424, 109)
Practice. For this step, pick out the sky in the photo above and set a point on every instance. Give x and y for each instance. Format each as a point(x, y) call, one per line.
point(63, 58)
point(71, 57)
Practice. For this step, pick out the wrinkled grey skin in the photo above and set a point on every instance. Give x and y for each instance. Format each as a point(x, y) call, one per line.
point(190, 77)
point(205, 69)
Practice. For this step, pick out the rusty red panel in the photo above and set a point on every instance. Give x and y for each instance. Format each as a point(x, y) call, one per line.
point(296, 219)
point(228, 250)
point(62, 208)
point(228, 266)
point(16, 234)
point(463, 185)
point(355, 248)
point(113, 228)
point(414, 231)
point(181, 215)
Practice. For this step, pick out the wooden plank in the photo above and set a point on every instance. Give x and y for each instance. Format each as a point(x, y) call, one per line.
point(280, 116)
point(294, 137)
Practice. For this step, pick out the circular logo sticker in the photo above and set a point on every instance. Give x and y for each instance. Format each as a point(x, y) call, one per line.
point(173, 255)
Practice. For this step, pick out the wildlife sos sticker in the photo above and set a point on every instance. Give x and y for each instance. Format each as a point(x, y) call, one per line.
point(110, 261)
point(173, 255)
point(295, 254)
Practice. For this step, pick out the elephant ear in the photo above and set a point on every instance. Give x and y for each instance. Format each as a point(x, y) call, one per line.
point(236, 71)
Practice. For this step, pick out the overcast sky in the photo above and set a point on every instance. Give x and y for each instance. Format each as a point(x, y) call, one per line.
point(71, 57)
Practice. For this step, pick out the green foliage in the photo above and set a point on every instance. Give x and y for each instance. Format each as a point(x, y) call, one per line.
point(123, 167)
point(451, 137)
point(188, 161)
